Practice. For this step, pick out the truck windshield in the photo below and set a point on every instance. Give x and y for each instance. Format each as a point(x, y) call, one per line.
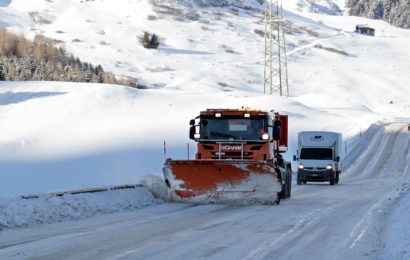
point(233, 128)
point(316, 154)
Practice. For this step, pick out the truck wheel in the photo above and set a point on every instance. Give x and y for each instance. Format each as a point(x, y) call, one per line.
point(277, 200)
point(298, 179)
point(282, 180)
point(289, 184)
point(283, 193)
point(332, 179)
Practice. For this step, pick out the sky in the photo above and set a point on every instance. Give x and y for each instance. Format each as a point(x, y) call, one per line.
point(58, 136)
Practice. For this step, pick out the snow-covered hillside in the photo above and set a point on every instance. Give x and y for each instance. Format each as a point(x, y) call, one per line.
point(57, 136)
point(82, 135)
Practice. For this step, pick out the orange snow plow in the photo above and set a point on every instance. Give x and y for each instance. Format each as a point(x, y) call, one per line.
point(238, 157)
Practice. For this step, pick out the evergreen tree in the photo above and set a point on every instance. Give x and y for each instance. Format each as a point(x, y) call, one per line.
point(21, 59)
point(154, 42)
point(145, 40)
point(87, 72)
point(99, 72)
point(40, 72)
point(2, 74)
point(32, 66)
point(149, 41)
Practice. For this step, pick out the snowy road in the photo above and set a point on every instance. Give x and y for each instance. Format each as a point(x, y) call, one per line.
point(319, 221)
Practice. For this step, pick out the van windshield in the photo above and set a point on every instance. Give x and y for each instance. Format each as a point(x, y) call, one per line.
point(316, 154)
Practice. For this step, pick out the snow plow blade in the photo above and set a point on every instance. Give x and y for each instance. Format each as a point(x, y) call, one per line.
point(221, 180)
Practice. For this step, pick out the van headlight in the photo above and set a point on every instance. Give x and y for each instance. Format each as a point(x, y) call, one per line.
point(329, 167)
point(301, 167)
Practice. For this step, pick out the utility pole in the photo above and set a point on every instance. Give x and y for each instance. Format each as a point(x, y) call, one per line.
point(276, 72)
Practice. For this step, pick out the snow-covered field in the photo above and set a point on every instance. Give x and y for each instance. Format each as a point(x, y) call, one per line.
point(58, 136)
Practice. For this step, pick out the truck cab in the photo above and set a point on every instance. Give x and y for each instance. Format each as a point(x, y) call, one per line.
point(246, 134)
point(318, 156)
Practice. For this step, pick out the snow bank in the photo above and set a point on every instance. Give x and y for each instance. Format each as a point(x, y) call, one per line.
point(18, 212)
point(156, 185)
point(397, 242)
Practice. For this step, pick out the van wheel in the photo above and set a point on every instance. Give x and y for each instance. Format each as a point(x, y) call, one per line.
point(332, 179)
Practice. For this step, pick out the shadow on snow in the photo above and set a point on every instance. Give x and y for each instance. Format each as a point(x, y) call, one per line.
point(8, 97)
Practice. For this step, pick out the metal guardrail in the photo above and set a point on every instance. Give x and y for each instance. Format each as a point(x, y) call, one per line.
point(88, 190)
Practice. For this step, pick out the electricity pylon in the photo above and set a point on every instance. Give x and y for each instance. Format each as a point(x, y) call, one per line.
point(276, 72)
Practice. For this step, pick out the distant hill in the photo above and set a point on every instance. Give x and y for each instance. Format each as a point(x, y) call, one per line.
point(396, 12)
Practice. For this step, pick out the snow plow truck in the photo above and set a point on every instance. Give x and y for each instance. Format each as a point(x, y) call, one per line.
point(238, 158)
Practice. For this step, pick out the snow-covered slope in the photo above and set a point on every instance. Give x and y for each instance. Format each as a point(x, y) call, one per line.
point(330, 7)
point(58, 136)
point(62, 136)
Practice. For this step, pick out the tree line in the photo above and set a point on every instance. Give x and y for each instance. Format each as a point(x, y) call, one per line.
point(42, 60)
point(395, 12)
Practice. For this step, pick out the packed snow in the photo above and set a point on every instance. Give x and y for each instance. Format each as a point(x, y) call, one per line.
point(23, 212)
point(57, 136)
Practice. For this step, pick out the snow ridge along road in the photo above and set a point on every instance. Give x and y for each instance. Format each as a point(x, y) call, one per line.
point(320, 221)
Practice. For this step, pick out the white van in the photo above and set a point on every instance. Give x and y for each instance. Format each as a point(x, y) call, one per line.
point(318, 155)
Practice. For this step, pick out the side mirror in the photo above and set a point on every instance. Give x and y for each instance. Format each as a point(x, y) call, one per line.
point(192, 132)
point(277, 123)
point(276, 133)
point(337, 159)
point(192, 122)
point(295, 158)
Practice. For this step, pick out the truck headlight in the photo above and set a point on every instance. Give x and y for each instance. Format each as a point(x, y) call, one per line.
point(301, 167)
point(329, 167)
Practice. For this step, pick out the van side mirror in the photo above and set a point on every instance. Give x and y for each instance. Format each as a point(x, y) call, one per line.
point(295, 158)
point(337, 159)
point(192, 122)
